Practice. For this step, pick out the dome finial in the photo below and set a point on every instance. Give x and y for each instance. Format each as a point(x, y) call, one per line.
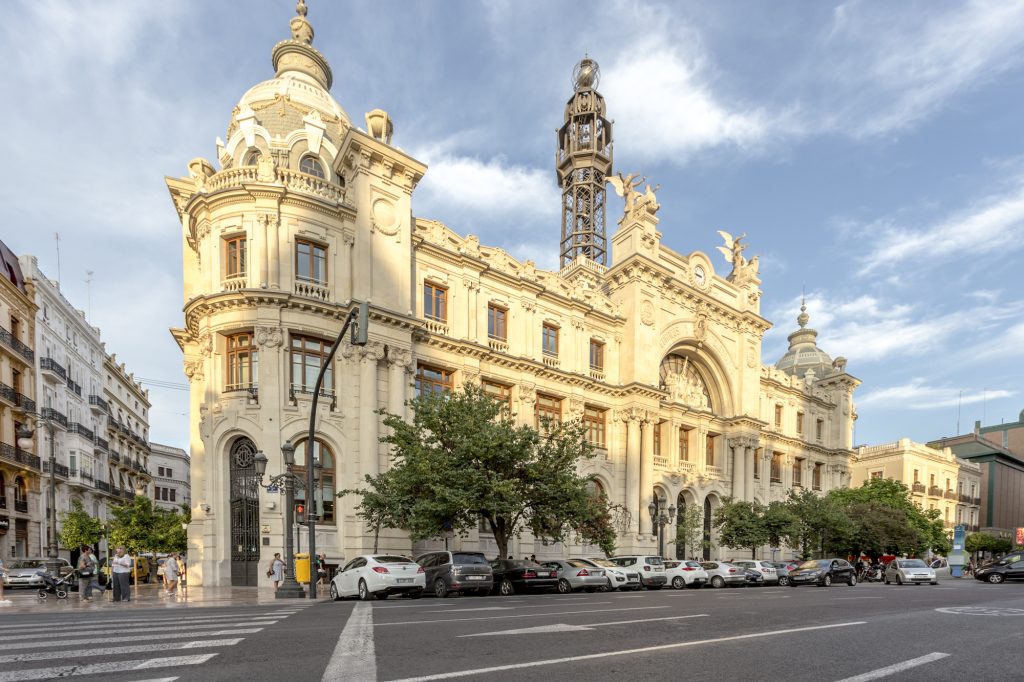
point(803, 318)
point(302, 30)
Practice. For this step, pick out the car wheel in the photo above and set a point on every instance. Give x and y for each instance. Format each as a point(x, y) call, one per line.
point(678, 583)
point(826, 581)
point(852, 581)
point(506, 588)
point(885, 580)
point(364, 591)
point(416, 595)
point(718, 581)
point(564, 587)
point(899, 579)
point(334, 593)
point(935, 582)
point(440, 589)
point(783, 581)
point(996, 578)
point(608, 587)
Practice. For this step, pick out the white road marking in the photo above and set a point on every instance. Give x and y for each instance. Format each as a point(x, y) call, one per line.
point(511, 608)
point(623, 652)
point(159, 679)
point(97, 629)
point(130, 638)
point(895, 668)
point(565, 627)
point(834, 598)
point(354, 657)
point(141, 621)
point(117, 651)
point(522, 615)
point(103, 668)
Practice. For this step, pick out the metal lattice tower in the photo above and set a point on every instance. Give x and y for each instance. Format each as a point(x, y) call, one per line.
point(583, 161)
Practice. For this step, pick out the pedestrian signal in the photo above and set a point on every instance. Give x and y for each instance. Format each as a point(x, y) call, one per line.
point(300, 512)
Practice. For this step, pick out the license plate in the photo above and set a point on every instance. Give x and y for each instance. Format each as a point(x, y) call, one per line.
point(476, 577)
point(404, 580)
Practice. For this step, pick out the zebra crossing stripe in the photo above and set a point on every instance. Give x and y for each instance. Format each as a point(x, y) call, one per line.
point(121, 650)
point(88, 629)
point(103, 668)
point(147, 621)
point(90, 625)
point(130, 638)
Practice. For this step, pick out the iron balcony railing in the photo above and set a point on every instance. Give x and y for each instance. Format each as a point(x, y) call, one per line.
point(935, 491)
point(73, 385)
point(21, 506)
point(51, 365)
point(53, 415)
point(81, 429)
point(8, 393)
point(103, 485)
point(3, 502)
point(918, 487)
point(99, 402)
point(114, 456)
point(20, 348)
point(101, 443)
point(59, 469)
point(13, 454)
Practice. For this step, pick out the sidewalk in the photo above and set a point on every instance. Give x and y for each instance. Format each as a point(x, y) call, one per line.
point(147, 597)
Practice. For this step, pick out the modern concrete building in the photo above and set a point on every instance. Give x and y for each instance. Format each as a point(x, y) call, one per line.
point(936, 477)
point(301, 213)
point(20, 470)
point(170, 469)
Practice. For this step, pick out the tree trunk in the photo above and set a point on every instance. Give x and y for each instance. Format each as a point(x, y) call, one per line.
point(753, 552)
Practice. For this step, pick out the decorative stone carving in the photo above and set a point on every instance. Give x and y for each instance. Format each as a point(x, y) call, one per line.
point(400, 356)
point(700, 327)
point(269, 337)
point(742, 269)
point(576, 407)
point(636, 203)
point(470, 376)
point(205, 343)
point(266, 169)
point(647, 312)
point(527, 395)
point(194, 370)
point(371, 352)
point(384, 217)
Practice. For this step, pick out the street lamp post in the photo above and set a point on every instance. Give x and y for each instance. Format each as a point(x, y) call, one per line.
point(659, 518)
point(289, 589)
point(24, 441)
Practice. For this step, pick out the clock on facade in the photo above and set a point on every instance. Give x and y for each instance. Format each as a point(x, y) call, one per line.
point(700, 278)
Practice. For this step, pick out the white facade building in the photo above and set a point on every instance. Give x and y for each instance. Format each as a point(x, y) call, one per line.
point(170, 469)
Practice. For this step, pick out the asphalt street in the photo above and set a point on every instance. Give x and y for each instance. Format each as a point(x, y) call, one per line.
point(959, 630)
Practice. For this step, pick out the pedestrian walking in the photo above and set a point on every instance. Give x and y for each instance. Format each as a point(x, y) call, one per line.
point(87, 567)
point(321, 569)
point(276, 570)
point(171, 573)
point(182, 582)
point(3, 576)
point(120, 575)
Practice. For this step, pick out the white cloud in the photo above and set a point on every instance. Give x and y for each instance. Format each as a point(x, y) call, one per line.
point(995, 223)
point(919, 395)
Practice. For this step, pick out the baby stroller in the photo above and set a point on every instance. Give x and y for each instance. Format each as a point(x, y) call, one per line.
point(58, 586)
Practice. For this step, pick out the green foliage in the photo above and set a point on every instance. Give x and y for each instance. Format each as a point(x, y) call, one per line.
point(815, 519)
point(463, 459)
point(139, 527)
point(77, 528)
point(740, 524)
point(690, 528)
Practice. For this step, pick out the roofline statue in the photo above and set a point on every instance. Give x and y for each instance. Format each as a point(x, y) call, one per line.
point(742, 269)
point(626, 187)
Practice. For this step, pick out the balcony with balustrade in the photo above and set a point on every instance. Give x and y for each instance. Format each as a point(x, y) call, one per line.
point(19, 457)
point(82, 430)
point(917, 488)
point(934, 491)
point(950, 495)
point(74, 387)
point(59, 469)
point(21, 505)
point(58, 419)
point(51, 370)
point(98, 405)
point(26, 353)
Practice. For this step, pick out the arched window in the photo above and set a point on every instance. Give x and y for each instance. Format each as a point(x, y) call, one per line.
point(309, 164)
point(325, 491)
point(252, 157)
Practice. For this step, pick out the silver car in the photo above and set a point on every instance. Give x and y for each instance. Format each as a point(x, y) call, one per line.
point(722, 574)
point(24, 572)
point(574, 574)
point(903, 571)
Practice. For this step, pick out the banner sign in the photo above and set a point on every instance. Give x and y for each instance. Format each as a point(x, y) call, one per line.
point(1019, 535)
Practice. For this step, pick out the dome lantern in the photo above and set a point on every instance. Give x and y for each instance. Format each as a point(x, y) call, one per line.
point(803, 354)
point(298, 53)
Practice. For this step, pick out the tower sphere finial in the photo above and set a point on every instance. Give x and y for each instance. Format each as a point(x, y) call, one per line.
point(587, 74)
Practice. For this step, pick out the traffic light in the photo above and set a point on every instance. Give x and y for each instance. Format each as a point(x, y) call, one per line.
point(361, 325)
point(300, 512)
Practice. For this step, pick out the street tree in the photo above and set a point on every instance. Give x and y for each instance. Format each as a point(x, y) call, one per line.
point(78, 528)
point(887, 493)
point(740, 524)
point(815, 518)
point(462, 459)
point(133, 525)
point(689, 528)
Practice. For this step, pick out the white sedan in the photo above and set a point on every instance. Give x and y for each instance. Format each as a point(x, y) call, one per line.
point(378, 576)
point(688, 574)
point(903, 571)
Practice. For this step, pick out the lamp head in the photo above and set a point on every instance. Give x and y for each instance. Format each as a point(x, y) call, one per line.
point(24, 436)
point(651, 509)
point(260, 461)
point(288, 450)
point(672, 511)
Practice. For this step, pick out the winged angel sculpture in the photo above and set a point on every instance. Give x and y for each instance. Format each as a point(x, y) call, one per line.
point(733, 252)
point(626, 187)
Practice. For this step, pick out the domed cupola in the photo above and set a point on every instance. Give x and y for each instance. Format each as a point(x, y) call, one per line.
point(803, 353)
point(297, 99)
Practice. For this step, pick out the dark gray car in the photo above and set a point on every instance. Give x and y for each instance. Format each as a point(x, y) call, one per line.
point(457, 572)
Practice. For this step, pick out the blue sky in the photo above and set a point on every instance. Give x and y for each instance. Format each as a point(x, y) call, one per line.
point(872, 151)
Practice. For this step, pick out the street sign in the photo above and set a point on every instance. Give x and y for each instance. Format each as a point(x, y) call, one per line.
point(273, 489)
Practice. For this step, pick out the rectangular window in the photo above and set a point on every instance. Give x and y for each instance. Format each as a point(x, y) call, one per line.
point(757, 463)
point(800, 423)
point(234, 257)
point(798, 472)
point(596, 355)
point(917, 476)
point(778, 416)
point(548, 407)
point(159, 471)
point(241, 362)
point(657, 439)
point(593, 422)
point(310, 261)
point(174, 492)
point(72, 463)
point(549, 340)
point(819, 430)
point(776, 474)
point(931, 480)
point(500, 392)
point(308, 355)
point(433, 380)
point(435, 302)
point(169, 474)
point(497, 326)
point(684, 445)
point(710, 445)
point(876, 474)
point(816, 476)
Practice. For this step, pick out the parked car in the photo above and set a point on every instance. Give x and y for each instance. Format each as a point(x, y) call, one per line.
point(687, 574)
point(913, 571)
point(141, 572)
point(1010, 567)
point(650, 568)
point(24, 572)
point(574, 574)
point(766, 568)
point(457, 572)
point(618, 578)
point(823, 572)
point(941, 567)
point(754, 576)
point(782, 569)
point(378, 576)
point(721, 574)
point(521, 575)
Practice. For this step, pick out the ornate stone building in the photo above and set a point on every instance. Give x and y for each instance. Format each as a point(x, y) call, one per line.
point(170, 468)
point(658, 352)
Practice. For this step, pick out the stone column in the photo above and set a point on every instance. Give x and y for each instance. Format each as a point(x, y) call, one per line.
point(471, 310)
point(369, 355)
point(632, 419)
point(673, 445)
point(399, 362)
point(259, 250)
point(739, 470)
point(344, 272)
point(750, 454)
point(274, 250)
point(646, 472)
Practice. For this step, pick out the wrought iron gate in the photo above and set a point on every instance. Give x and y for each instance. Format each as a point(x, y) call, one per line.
point(245, 514)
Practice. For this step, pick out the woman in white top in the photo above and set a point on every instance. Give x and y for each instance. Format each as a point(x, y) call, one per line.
point(3, 575)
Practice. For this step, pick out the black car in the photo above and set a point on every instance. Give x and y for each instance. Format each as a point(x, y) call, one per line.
point(522, 575)
point(823, 572)
point(456, 573)
point(754, 578)
point(1010, 567)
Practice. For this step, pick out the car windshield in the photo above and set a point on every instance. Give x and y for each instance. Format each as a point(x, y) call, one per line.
point(815, 565)
point(28, 563)
point(391, 559)
point(464, 558)
point(693, 564)
point(576, 563)
point(654, 560)
point(911, 563)
point(603, 562)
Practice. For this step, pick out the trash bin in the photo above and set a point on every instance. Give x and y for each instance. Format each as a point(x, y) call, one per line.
point(302, 567)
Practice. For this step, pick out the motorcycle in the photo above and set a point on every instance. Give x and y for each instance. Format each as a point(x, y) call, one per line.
point(873, 574)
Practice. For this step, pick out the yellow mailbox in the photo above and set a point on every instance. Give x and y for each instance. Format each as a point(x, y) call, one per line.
point(302, 567)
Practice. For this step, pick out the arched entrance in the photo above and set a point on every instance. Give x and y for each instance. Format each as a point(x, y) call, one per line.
point(245, 514)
